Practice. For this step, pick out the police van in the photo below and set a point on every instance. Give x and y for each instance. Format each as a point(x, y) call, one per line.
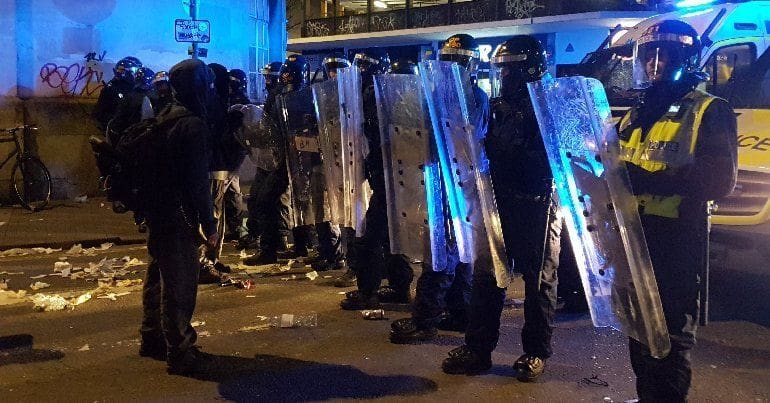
point(736, 38)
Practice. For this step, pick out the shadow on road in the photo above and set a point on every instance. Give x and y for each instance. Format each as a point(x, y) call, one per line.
point(17, 349)
point(280, 379)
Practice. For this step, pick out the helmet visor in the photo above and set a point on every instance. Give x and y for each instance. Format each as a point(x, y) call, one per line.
point(663, 60)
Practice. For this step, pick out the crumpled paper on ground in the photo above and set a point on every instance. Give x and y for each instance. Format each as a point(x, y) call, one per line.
point(77, 250)
point(27, 251)
point(12, 297)
point(38, 285)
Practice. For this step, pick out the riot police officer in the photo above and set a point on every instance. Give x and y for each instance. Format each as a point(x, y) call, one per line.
point(121, 84)
point(371, 253)
point(266, 211)
point(680, 147)
point(161, 94)
point(523, 184)
point(333, 62)
point(235, 211)
point(442, 297)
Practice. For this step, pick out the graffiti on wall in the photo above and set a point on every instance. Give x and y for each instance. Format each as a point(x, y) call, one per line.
point(85, 79)
point(521, 8)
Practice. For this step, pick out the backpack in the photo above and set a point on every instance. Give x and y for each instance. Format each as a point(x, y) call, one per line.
point(127, 166)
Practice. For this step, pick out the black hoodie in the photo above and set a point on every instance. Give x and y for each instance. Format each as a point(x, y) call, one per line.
point(187, 175)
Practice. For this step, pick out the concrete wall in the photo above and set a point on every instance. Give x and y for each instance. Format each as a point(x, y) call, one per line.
point(65, 51)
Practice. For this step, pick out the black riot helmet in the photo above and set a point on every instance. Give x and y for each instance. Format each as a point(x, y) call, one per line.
point(333, 62)
point(666, 52)
point(516, 62)
point(125, 69)
point(295, 73)
point(144, 78)
point(372, 61)
point(403, 66)
point(238, 81)
point(270, 72)
point(461, 49)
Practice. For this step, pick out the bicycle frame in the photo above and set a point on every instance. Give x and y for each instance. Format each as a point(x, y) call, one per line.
point(16, 151)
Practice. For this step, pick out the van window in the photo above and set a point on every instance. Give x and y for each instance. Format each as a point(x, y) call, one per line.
point(726, 67)
point(750, 86)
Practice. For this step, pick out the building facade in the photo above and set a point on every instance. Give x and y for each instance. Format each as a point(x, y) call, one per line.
point(60, 53)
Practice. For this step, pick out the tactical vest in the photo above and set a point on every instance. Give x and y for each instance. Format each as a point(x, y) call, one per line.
point(669, 144)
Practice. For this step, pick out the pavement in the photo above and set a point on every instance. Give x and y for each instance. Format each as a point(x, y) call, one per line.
point(89, 353)
point(65, 223)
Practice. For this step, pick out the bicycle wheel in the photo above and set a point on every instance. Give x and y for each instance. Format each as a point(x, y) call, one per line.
point(32, 183)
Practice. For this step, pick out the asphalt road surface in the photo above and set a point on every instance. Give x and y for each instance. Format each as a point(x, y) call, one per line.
point(89, 353)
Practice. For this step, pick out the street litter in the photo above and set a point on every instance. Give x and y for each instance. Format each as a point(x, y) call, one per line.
point(204, 334)
point(77, 249)
point(61, 266)
point(328, 276)
point(27, 251)
point(2, 223)
point(84, 348)
point(373, 314)
point(288, 320)
point(10, 273)
point(244, 284)
point(11, 297)
point(113, 296)
point(254, 328)
point(251, 296)
point(38, 276)
point(312, 275)
point(81, 199)
point(128, 283)
point(3, 284)
point(130, 262)
point(197, 323)
point(243, 255)
point(49, 303)
point(37, 285)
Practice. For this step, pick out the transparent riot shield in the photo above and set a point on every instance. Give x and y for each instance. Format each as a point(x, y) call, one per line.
point(302, 152)
point(261, 136)
point(356, 189)
point(600, 211)
point(327, 106)
point(459, 128)
point(412, 173)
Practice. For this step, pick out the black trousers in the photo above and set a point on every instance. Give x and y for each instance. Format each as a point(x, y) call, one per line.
point(448, 291)
point(675, 250)
point(268, 209)
point(171, 284)
point(235, 211)
point(371, 258)
point(329, 242)
point(532, 233)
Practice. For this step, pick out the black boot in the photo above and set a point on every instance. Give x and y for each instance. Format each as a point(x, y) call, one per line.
point(359, 302)
point(347, 279)
point(390, 295)
point(261, 259)
point(528, 367)
point(155, 349)
point(189, 361)
point(452, 323)
point(406, 331)
point(464, 361)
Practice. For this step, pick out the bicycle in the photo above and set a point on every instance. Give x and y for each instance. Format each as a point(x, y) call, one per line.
point(30, 179)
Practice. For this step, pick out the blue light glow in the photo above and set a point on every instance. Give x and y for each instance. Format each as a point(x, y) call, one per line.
point(693, 3)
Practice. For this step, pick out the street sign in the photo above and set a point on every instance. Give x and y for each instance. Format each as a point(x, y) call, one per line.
point(192, 31)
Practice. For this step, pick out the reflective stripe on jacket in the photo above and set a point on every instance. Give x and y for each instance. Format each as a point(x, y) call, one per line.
point(668, 144)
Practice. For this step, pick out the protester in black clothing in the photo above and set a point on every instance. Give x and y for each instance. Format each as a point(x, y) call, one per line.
point(673, 186)
point(371, 259)
point(178, 206)
point(523, 183)
point(121, 83)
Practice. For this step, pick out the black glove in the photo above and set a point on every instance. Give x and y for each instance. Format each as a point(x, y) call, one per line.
point(234, 120)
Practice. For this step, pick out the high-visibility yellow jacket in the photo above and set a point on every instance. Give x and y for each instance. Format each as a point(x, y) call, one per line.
point(668, 153)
